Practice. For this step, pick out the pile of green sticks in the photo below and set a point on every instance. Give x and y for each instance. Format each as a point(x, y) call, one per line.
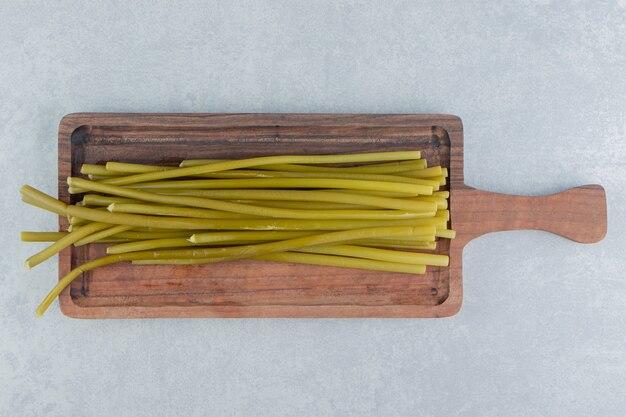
point(368, 211)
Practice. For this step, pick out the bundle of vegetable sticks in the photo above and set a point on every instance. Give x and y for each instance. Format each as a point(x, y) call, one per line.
point(380, 211)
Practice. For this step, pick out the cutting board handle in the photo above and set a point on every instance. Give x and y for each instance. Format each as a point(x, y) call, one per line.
point(578, 214)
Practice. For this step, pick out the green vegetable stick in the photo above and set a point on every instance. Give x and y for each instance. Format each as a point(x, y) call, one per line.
point(306, 258)
point(416, 206)
point(229, 238)
point(423, 240)
point(249, 224)
point(76, 221)
point(139, 235)
point(305, 205)
point(224, 237)
point(344, 262)
point(100, 177)
point(240, 173)
point(244, 224)
point(424, 173)
point(268, 183)
point(142, 245)
point(62, 243)
point(264, 160)
point(160, 210)
point(213, 214)
point(221, 224)
point(126, 169)
point(41, 236)
point(413, 240)
point(121, 168)
point(54, 236)
point(212, 237)
point(92, 169)
point(208, 238)
point(44, 201)
point(234, 252)
point(103, 234)
point(195, 162)
point(443, 213)
point(385, 168)
point(33, 202)
point(445, 233)
point(333, 196)
point(379, 254)
point(393, 245)
point(410, 245)
point(441, 202)
point(258, 174)
point(391, 194)
point(105, 200)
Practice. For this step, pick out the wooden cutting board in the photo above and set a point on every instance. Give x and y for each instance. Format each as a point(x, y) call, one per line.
point(268, 289)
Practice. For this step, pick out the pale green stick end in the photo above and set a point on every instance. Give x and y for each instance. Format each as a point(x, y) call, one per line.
point(41, 308)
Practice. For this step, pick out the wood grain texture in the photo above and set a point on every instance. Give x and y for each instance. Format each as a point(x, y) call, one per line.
point(578, 214)
point(267, 289)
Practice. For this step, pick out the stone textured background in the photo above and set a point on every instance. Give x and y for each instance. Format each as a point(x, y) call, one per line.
point(540, 86)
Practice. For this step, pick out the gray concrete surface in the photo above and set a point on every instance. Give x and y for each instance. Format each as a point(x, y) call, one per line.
point(540, 86)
